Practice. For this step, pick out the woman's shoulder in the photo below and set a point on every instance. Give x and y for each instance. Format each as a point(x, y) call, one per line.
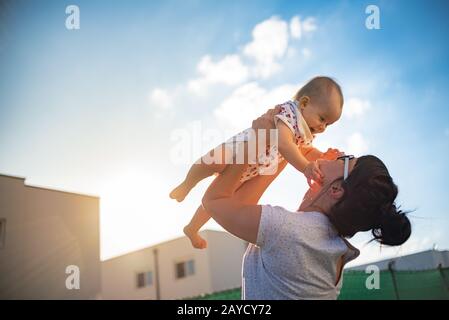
point(279, 226)
point(304, 215)
point(296, 220)
point(276, 211)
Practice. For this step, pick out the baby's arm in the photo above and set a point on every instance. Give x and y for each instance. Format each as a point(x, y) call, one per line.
point(290, 151)
point(313, 154)
point(288, 148)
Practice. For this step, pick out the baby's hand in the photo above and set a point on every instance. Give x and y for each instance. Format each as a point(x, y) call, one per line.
point(313, 172)
point(332, 154)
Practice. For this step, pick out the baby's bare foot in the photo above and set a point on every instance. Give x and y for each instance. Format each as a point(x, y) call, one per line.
point(180, 192)
point(195, 238)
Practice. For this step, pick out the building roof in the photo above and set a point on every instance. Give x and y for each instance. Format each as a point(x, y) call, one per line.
point(11, 176)
point(47, 188)
point(424, 260)
point(157, 245)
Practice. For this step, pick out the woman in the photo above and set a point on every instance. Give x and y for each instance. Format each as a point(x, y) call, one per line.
point(301, 255)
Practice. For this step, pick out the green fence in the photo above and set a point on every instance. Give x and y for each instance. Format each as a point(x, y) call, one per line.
point(394, 285)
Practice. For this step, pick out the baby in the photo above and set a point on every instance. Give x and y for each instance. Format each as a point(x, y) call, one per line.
point(315, 106)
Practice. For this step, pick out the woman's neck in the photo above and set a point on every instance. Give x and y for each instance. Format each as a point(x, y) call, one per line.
point(313, 208)
point(315, 202)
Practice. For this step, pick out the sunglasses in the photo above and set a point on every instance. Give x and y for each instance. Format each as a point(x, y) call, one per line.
point(346, 159)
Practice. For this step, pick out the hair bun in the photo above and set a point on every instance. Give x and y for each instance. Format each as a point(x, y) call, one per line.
point(395, 227)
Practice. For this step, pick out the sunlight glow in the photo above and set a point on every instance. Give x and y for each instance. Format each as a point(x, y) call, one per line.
point(131, 202)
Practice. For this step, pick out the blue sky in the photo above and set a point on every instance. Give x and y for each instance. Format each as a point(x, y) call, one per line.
point(97, 110)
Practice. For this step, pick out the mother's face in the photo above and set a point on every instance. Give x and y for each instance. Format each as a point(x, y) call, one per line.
point(334, 169)
point(331, 170)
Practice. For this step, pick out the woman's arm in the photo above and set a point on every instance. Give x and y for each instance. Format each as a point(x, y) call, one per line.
point(237, 212)
point(252, 190)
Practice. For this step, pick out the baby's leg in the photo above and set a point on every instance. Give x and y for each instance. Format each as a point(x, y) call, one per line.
point(191, 230)
point(211, 163)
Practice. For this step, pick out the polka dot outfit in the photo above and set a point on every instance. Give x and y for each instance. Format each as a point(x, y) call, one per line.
point(268, 161)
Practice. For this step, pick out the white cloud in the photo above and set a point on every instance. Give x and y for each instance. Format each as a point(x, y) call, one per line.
point(356, 144)
point(259, 59)
point(270, 40)
point(295, 28)
point(309, 25)
point(250, 101)
point(266, 70)
point(270, 43)
point(354, 107)
point(160, 98)
point(229, 71)
point(299, 28)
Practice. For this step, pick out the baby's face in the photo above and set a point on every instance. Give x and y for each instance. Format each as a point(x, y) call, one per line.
point(318, 117)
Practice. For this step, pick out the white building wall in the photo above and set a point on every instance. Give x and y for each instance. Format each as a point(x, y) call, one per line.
point(226, 260)
point(46, 231)
point(216, 268)
point(119, 276)
point(180, 250)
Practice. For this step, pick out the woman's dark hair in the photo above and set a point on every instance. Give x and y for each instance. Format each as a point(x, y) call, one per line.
point(369, 204)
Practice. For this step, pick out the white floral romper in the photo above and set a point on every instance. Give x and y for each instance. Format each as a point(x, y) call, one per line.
point(270, 159)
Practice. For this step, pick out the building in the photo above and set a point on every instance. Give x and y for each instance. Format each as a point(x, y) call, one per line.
point(47, 238)
point(175, 270)
point(424, 260)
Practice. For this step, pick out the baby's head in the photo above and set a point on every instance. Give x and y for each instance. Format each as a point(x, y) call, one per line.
point(320, 102)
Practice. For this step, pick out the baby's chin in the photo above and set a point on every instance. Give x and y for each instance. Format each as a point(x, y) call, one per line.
point(315, 131)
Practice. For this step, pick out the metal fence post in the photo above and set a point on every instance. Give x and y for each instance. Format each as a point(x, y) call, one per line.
point(156, 273)
point(393, 276)
point(445, 281)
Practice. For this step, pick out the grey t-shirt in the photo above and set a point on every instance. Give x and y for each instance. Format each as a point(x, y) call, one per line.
point(296, 257)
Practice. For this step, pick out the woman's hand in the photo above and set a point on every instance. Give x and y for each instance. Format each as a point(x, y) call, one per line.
point(266, 121)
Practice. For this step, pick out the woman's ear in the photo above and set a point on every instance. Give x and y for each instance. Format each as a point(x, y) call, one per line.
point(336, 190)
